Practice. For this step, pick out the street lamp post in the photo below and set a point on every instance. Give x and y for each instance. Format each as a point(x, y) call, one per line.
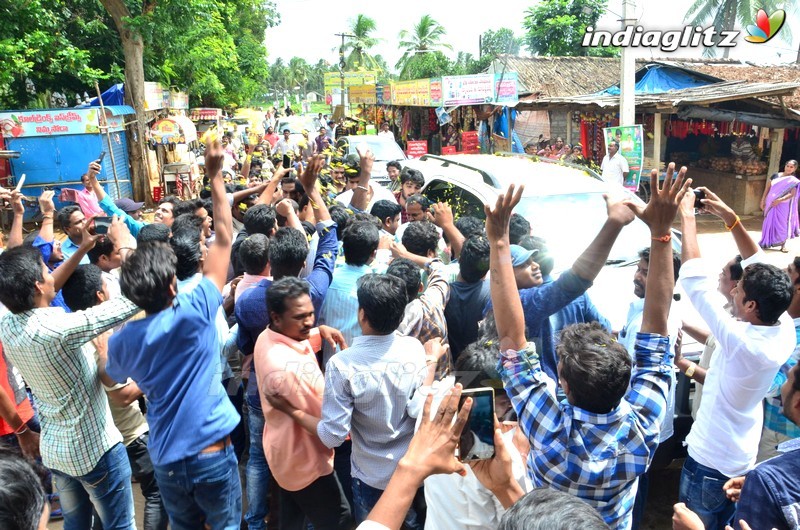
point(342, 63)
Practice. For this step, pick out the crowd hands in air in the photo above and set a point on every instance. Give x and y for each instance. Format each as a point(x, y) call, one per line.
point(349, 320)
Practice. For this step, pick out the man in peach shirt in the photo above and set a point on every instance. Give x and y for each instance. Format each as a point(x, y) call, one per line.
point(286, 367)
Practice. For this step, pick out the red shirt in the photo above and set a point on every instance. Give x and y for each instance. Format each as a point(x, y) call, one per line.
point(24, 409)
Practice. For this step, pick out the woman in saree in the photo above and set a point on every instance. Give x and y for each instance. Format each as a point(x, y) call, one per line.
point(781, 220)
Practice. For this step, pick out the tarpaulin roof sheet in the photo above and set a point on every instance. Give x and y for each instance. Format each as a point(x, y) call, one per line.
point(657, 79)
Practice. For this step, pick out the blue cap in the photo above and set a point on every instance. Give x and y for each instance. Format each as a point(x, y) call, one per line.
point(520, 255)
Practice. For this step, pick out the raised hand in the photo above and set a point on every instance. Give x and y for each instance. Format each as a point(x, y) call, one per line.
point(665, 199)
point(16, 202)
point(118, 232)
point(88, 239)
point(496, 473)
point(618, 212)
point(94, 169)
point(309, 177)
point(46, 205)
point(367, 159)
point(442, 214)
point(284, 208)
point(214, 157)
point(497, 219)
point(716, 206)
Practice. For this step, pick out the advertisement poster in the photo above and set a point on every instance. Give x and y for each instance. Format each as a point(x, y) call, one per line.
point(416, 148)
point(362, 94)
point(154, 96)
point(414, 93)
point(436, 92)
point(49, 122)
point(333, 80)
point(467, 89)
point(505, 88)
point(631, 147)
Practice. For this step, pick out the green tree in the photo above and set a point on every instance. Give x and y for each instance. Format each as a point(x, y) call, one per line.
point(299, 72)
point(724, 14)
point(500, 42)
point(424, 38)
point(424, 65)
point(359, 57)
point(556, 27)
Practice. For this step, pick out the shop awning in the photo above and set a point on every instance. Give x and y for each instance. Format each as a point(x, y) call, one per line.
point(752, 118)
point(205, 114)
point(119, 110)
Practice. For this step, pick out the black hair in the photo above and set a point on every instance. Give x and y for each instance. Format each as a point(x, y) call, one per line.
point(549, 509)
point(384, 209)
point(595, 367)
point(360, 242)
point(770, 288)
point(421, 237)
point(469, 225)
point(473, 263)
point(796, 263)
point(189, 224)
point(281, 220)
point(736, 268)
point(154, 232)
point(394, 164)
point(288, 251)
point(147, 275)
point(614, 143)
point(420, 199)
point(518, 228)
point(412, 175)
point(280, 291)
point(64, 214)
point(477, 363)
point(102, 247)
point(20, 270)
point(80, 290)
point(22, 497)
point(309, 228)
point(409, 272)
point(543, 258)
point(383, 299)
point(676, 261)
point(341, 217)
point(260, 219)
point(189, 253)
point(254, 253)
point(369, 218)
point(171, 199)
point(184, 207)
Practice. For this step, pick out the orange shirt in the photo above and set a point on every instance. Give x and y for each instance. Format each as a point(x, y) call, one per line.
point(24, 409)
point(290, 369)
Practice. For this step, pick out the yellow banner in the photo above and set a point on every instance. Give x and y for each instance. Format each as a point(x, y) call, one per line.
point(362, 94)
point(414, 93)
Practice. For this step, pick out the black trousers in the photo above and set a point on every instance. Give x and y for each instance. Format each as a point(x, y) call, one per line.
point(322, 502)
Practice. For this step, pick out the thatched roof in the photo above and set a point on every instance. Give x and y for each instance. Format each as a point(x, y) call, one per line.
point(560, 76)
point(738, 71)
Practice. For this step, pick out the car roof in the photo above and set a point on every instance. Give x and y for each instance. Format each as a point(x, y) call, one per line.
point(498, 172)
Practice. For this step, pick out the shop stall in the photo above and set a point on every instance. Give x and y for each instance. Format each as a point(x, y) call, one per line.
point(174, 139)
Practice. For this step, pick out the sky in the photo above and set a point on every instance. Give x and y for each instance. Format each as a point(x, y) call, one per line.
point(308, 27)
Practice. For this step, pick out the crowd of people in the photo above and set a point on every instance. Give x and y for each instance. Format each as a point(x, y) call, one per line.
point(328, 333)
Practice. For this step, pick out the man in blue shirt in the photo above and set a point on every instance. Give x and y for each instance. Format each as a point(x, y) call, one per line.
point(72, 221)
point(173, 355)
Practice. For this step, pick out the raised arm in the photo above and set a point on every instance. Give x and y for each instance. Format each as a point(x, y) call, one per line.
point(713, 204)
point(443, 218)
point(15, 236)
point(360, 198)
point(107, 205)
point(505, 297)
point(219, 256)
point(309, 181)
point(272, 186)
point(659, 215)
point(48, 209)
point(62, 273)
point(591, 262)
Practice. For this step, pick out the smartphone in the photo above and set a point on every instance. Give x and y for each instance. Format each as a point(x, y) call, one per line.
point(699, 195)
point(20, 182)
point(477, 438)
point(101, 157)
point(101, 225)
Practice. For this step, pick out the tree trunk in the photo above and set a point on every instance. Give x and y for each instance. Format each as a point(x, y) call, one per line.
point(133, 51)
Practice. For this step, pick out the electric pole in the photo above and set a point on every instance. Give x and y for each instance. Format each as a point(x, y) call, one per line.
point(342, 64)
point(627, 81)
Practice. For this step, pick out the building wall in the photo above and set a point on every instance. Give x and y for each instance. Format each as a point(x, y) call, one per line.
point(558, 124)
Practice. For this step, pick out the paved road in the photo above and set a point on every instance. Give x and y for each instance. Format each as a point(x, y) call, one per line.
point(718, 247)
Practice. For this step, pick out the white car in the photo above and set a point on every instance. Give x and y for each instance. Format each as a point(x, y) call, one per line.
point(296, 126)
point(385, 150)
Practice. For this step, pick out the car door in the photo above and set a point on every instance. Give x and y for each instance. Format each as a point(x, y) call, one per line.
point(463, 201)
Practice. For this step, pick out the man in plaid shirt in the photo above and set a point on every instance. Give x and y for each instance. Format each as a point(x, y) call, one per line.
point(597, 442)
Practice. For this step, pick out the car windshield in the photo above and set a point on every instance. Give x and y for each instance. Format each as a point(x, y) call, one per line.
point(570, 222)
point(295, 126)
point(384, 150)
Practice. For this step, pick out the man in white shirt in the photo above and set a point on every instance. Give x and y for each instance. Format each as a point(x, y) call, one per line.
point(615, 167)
point(287, 148)
point(724, 439)
point(361, 181)
point(385, 133)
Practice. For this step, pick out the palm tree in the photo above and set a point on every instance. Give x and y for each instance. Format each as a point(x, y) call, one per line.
point(724, 14)
point(299, 72)
point(362, 26)
point(425, 37)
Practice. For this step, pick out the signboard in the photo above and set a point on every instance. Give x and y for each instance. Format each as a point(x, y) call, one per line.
point(505, 91)
point(467, 89)
point(414, 93)
point(362, 94)
point(416, 148)
point(178, 100)
point(26, 124)
point(383, 94)
point(631, 147)
point(333, 80)
point(436, 92)
point(153, 96)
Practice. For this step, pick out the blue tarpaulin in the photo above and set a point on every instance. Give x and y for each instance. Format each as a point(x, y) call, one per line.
point(113, 96)
point(658, 79)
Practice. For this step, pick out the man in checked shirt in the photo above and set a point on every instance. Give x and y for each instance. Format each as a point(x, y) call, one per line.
point(596, 442)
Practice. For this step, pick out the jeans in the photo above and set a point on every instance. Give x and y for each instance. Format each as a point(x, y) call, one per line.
point(202, 489)
point(107, 488)
point(322, 503)
point(238, 436)
point(701, 491)
point(155, 516)
point(365, 498)
point(257, 469)
point(344, 470)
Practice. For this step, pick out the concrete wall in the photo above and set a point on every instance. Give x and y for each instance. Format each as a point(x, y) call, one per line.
point(558, 125)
